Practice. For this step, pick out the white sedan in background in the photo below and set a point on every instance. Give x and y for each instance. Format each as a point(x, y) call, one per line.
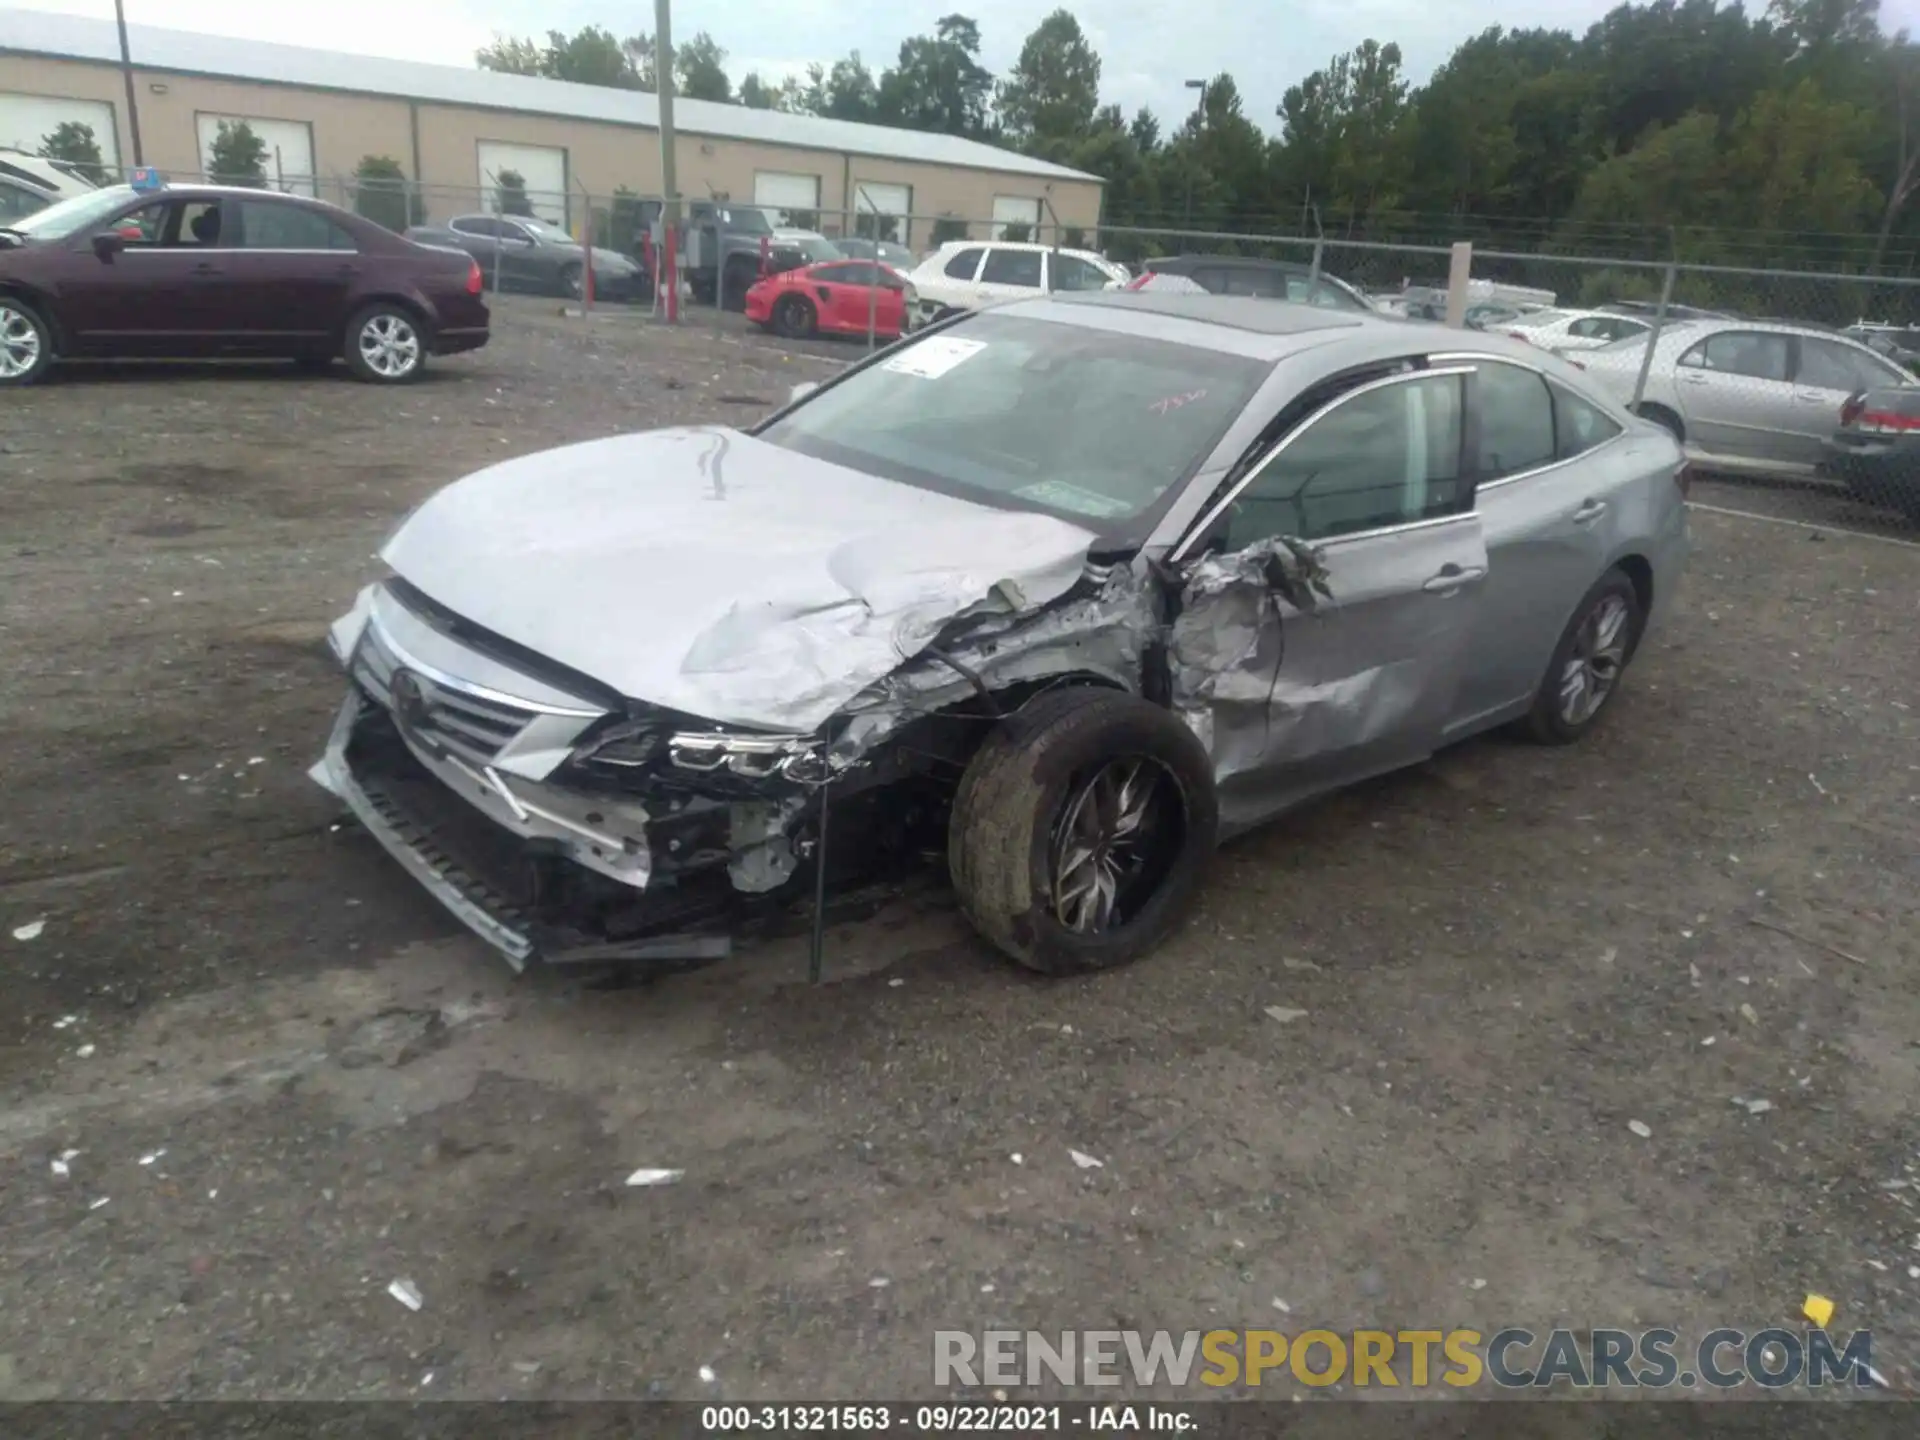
point(1562, 331)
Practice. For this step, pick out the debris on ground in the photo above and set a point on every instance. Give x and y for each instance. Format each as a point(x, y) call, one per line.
point(1818, 1309)
point(406, 1292)
point(1753, 1107)
point(1282, 1306)
point(85, 1052)
point(1641, 1128)
point(95, 1205)
point(1749, 1014)
point(152, 1156)
point(31, 930)
point(1284, 1015)
point(706, 1374)
point(1086, 1161)
point(654, 1177)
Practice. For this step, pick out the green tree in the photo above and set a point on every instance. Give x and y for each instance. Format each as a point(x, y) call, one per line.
point(1018, 231)
point(1047, 104)
point(73, 141)
point(512, 56)
point(948, 227)
point(237, 156)
point(590, 56)
point(381, 193)
point(756, 94)
point(846, 91)
point(700, 69)
point(510, 194)
point(938, 83)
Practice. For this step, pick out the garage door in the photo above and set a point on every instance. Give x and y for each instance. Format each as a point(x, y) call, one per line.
point(883, 211)
point(543, 174)
point(288, 161)
point(27, 120)
point(1016, 210)
point(788, 199)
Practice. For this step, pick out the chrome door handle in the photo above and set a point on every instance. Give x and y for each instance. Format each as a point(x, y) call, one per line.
point(1453, 578)
point(1693, 379)
point(1589, 512)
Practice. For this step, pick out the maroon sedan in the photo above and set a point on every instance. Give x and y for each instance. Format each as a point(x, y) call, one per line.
point(206, 270)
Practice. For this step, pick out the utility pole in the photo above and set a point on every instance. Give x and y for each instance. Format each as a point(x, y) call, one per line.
point(1199, 124)
point(126, 73)
point(669, 182)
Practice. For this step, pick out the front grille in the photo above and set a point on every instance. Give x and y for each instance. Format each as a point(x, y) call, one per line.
point(472, 726)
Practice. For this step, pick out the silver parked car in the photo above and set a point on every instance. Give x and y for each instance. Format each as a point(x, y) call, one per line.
point(1065, 590)
point(1750, 396)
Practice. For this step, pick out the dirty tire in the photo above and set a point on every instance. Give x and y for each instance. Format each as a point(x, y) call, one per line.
point(1546, 723)
point(26, 342)
point(1016, 790)
point(795, 317)
point(1666, 420)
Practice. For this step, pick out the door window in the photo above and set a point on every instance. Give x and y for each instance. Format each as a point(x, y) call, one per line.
point(475, 225)
point(1752, 353)
point(1625, 329)
point(266, 225)
point(18, 200)
point(1253, 281)
point(1577, 425)
point(1384, 457)
point(1012, 267)
point(839, 275)
point(1829, 365)
point(1516, 420)
point(964, 265)
point(1070, 272)
point(1591, 327)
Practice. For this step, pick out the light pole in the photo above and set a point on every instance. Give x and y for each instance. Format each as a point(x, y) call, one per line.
point(1200, 121)
point(126, 73)
point(669, 180)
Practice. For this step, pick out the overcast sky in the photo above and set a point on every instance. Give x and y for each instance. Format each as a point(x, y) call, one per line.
point(1148, 47)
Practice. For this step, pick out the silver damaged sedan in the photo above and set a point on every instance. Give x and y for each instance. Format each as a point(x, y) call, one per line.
point(1059, 594)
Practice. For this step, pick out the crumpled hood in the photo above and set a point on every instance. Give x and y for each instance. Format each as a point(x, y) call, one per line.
point(709, 572)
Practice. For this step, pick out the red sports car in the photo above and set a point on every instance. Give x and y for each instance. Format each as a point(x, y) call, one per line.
point(835, 297)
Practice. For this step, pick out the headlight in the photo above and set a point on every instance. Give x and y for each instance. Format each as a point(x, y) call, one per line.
point(752, 757)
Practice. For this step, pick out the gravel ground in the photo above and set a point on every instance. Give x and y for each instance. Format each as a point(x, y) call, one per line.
point(289, 1080)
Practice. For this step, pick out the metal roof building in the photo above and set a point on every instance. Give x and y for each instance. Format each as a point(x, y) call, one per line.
point(455, 130)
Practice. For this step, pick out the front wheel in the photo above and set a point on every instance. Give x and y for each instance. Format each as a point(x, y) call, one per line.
point(1588, 662)
point(1081, 832)
point(795, 317)
point(26, 344)
point(385, 345)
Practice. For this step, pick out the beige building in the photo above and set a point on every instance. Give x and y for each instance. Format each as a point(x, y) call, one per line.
point(454, 131)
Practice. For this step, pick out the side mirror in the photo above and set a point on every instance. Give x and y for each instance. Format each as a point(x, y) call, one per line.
point(801, 391)
point(108, 244)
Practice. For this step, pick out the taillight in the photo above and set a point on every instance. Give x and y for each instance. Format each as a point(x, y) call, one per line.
point(1139, 282)
point(475, 280)
point(1882, 422)
point(1517, 335)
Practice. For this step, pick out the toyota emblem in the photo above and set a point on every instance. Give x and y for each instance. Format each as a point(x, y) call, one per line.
point(409, 694)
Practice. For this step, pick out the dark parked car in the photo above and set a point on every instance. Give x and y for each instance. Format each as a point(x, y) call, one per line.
point(1272, 279)
point(858, 247)
point(519, 253)
point(1876, 451)
point(198, 271)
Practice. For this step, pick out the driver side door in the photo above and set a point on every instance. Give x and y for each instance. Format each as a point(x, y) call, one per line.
point(1300, 702)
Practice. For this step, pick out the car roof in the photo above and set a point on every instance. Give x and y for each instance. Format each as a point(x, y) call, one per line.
point(1230, 262)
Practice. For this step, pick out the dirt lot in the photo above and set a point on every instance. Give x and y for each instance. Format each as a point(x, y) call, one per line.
point(289, 1080)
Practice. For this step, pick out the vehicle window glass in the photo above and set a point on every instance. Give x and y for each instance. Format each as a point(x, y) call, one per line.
point(1253, 281)
point(1386, 457)
point(475, 225)
point(1208, 278)
point(1012, 267)
point(198, 223)
point(18, 200)
point(268, 225)
point(1516, 420)
point(1826, 365)
point(1751, 353)
point(1070, 272)
point(1324, 293)
point(1626, 329)
point(838, 275)
point(147, 225)
point(1577, 425)
point(1092, 426)
point(963, 265)
point(1592, 328)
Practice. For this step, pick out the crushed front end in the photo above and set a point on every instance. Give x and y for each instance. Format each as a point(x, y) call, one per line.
point(558, 820)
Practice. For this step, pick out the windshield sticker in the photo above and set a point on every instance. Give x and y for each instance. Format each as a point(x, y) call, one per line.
point(1174, 402)
point(934, 356)
point(1063, 496)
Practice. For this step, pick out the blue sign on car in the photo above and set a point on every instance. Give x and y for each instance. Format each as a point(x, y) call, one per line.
point(147, 178)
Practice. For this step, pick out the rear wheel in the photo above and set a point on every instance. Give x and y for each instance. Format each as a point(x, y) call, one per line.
point(26, 343)
point(1587, 664)
point(386, 345)
point(795, 317)
point(1081, 832)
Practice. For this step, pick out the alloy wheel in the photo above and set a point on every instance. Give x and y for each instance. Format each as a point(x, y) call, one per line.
point(1598, 656)
point(1113, 844)
point(390, 346)
point(20, 343)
